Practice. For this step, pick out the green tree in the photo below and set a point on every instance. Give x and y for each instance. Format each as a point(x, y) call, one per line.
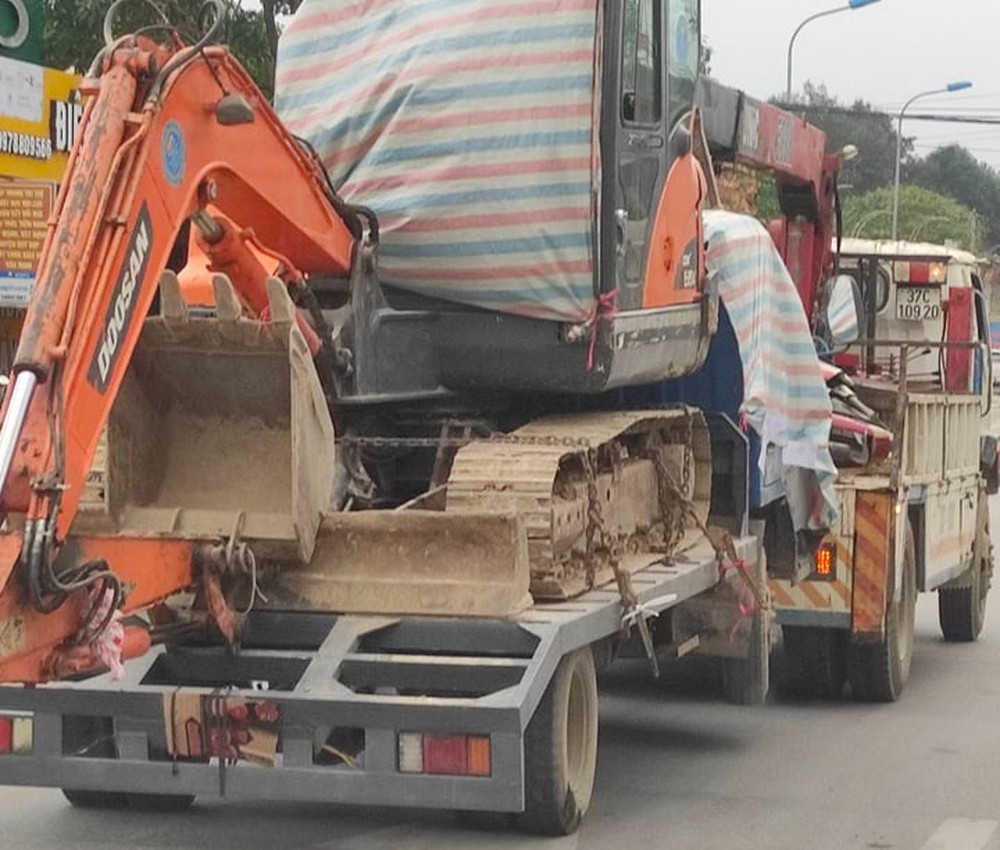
point(953, 171)
point(924, 216)
point(74, 31)
point(272, 12)
point(872, 133)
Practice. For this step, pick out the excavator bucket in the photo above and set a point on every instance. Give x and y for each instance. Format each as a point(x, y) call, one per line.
point(221, 428)
point(412, 562)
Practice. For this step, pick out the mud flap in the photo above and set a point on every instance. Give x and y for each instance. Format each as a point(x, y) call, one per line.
point(221, 424)
point(412, 562)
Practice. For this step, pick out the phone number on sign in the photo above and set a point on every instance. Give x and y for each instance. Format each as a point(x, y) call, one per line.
point(23, 144)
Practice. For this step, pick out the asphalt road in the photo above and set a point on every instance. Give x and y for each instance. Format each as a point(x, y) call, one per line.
point(678, 769)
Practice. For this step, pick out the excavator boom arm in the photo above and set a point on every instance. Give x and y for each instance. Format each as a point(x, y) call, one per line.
point(158, 148)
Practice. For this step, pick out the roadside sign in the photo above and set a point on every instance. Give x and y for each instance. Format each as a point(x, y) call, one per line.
point(40, 110)
point(25, 208)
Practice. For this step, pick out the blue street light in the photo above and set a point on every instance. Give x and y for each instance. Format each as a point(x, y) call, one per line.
point(948, 89)
point(850, 7)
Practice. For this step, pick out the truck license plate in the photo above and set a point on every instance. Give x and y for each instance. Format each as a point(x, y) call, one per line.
point(918, 303)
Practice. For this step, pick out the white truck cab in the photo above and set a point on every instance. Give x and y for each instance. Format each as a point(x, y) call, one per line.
point(908, 288)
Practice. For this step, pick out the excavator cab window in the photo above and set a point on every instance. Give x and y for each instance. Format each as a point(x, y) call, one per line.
point(683, 55)
point(641, 62)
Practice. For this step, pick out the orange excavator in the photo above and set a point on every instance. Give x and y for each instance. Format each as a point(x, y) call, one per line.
point(130, 187)
point(379, 489)
point(177, 139)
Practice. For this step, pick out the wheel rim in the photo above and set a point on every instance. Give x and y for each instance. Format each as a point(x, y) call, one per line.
point(577, 731)
point(907, 615)
point(982, 579)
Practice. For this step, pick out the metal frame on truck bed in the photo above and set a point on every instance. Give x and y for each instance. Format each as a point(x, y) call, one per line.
point(410, 711)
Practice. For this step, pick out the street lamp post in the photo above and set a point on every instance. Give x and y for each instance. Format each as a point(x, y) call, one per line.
point(951, 87)
point(851, 5)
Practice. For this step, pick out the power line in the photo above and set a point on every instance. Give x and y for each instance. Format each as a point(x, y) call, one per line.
point(873, 114)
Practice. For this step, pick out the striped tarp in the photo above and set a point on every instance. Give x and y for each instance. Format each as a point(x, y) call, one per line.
point(468, 126)
point(785, 399)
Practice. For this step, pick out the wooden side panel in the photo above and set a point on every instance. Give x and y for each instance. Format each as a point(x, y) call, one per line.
point(827, 596)
point(950, 513)
point(873, 547)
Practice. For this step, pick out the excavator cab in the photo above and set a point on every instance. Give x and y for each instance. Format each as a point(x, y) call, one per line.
point(595, 267)
point(649, 83)
point(219, 420)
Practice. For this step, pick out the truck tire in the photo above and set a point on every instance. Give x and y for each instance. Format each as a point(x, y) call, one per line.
point(815, 662)
point(962, 610)
point(96, 737)
point(154, 803)
point(160, 803)
point(94, 799)
point(560, 749)
point(878, 671)
point(745, 681)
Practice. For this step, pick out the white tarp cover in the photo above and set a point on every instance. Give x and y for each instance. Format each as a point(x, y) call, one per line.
point(785, 398)
point(468, 127)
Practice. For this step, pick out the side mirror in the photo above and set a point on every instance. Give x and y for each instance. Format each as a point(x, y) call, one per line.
point(840, 318)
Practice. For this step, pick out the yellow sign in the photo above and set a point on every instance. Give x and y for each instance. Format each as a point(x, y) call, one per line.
point(25, 207)
point(40, 110)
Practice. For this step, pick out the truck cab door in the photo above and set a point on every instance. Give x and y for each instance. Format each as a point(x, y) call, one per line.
point(651, 200)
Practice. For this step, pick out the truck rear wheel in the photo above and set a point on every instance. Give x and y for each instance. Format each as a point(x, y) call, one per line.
point(815, 662)
point(745, 681)
point(94, 799)
point(560, 749)
point(962, 610)
point(878, 671)
point(95, 737)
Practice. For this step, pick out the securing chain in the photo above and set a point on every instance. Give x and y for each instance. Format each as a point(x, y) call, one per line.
point(459, 442)
point(722, 544)
point(598, 536)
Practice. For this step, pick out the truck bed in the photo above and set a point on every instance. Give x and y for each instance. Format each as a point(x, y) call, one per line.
point(351, 683)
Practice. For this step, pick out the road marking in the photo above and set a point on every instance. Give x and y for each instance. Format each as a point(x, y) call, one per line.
point(962, 834)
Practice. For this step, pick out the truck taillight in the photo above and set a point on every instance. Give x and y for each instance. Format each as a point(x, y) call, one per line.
point(880, 445)
point(920, 273)
point(16, 734)
point(826, 562)
point(444, 754)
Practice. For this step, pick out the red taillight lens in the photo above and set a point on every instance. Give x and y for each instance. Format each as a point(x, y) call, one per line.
point(880, 446)
point(826, 562)
point(445, 754)
point(16, 734)
point(920, 272)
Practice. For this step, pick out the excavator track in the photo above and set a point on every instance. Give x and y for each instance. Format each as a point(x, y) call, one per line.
point(562, 505)
point(594, 491)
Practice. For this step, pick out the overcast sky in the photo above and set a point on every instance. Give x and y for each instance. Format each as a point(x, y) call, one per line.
point(884, 53)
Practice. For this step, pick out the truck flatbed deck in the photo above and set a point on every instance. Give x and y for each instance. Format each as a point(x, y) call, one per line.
point(345, 689)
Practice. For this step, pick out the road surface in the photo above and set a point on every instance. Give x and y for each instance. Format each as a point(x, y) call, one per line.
point(678, 769)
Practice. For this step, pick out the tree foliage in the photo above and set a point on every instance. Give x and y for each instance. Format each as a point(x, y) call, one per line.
point(966, 191)
point(953, 171)
point(873, 133)
point(74, 31)
point(924, 216)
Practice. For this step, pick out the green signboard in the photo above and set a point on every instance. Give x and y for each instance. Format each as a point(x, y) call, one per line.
point(21, 35)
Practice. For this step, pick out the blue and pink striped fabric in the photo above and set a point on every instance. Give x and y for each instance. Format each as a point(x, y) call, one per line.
point(468, 126)
point(785, 398)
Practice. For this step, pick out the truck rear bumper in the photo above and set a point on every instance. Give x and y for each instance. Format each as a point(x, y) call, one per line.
point(341, 690)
